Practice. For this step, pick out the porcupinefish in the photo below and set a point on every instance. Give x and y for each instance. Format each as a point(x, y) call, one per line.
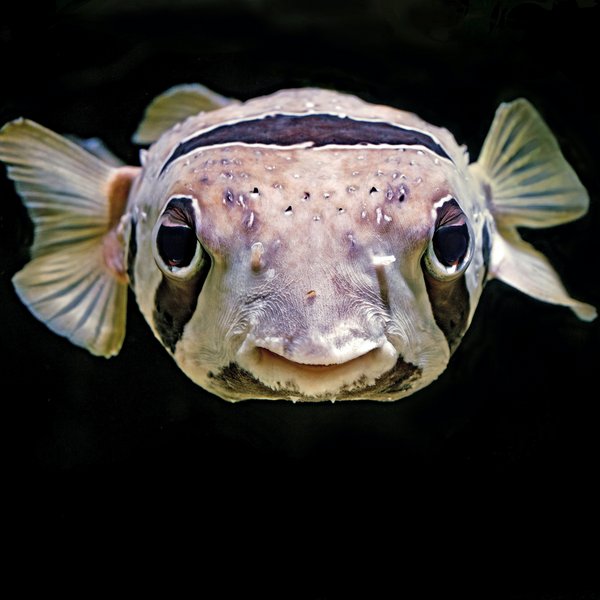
point(304, 245)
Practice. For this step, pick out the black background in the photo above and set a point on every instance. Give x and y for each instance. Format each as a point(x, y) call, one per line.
point(490, 473)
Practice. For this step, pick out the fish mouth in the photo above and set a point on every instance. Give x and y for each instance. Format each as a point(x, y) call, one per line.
point(267, 355)
point(318, 373)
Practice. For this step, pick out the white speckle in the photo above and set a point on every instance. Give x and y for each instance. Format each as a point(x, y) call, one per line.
point(288, 158)
point(361, 157)
point(186, 163)
point(326, 195)
point(258, 152)
point(177, 127)
point(143, 157)
point(309, 104)
point(355, 173)
point(418, 180)
point(351, 188)
point(244, 175)
point(379, 214)
point(296, 175)
point(363, 214)
point(412, 163)
point(436, 161)
point(270, 167)
point(225, 161)
point(256, 252)
point(277, 107)
point(420, 152)
point(316, 218)
point(270, 273)
point(379, 173)
point(387, 218)
point(144, 215)
point(383, 261)
point(227, 175)
point(402, 176)
point(241, 201)
point(351, 239)
point(277, 186)
point(394, 175)
point(250, 220)
point(337, 107)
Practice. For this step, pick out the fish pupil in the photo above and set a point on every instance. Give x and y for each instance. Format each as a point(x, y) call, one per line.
point(176, 245)
point(450, 244)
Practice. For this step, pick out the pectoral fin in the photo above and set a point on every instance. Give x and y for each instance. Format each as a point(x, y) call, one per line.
point(519, 264)
point(76, 282)
point(528, 182)
point(175, 105)
point(531, 183)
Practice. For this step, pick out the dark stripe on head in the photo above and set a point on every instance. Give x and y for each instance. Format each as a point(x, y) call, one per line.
point(131, 253)
point(319, 129)
point(486, 249)
point(450, 304)
point(175, 304)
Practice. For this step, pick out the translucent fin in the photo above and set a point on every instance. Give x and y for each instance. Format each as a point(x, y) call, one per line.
point(528, 182)
point(531, 183)
point(519, 264)
point(74, 283)
point(98, 148)
point(175, 105)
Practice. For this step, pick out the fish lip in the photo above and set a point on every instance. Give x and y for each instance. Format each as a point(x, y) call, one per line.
point(309, 367)
point(355, 368)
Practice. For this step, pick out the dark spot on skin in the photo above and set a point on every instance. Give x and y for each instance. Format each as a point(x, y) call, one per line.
point(205, 180)
point(373, 190)
point(255, 191)
point(228, 195)
point(131, 253)
point(396, 194)
point(288, 210)
point(450, 305)
point(306, 196)
point(311, 295)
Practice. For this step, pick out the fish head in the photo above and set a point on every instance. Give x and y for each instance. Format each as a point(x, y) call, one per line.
point(306, 273)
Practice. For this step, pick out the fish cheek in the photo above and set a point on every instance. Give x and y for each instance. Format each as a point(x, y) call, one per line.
point(174, 305)
point(450, 303)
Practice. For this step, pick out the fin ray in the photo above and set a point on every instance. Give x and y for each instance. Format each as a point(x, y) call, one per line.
point(531, 183)
point(67, 191)
point(519, 264)
point(528, 183)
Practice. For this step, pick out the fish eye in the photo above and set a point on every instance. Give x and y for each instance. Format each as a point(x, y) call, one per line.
point(177, 250)
point(450, 249)
point(176, 245)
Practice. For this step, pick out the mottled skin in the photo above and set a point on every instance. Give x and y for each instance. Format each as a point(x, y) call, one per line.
point(317, 288)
